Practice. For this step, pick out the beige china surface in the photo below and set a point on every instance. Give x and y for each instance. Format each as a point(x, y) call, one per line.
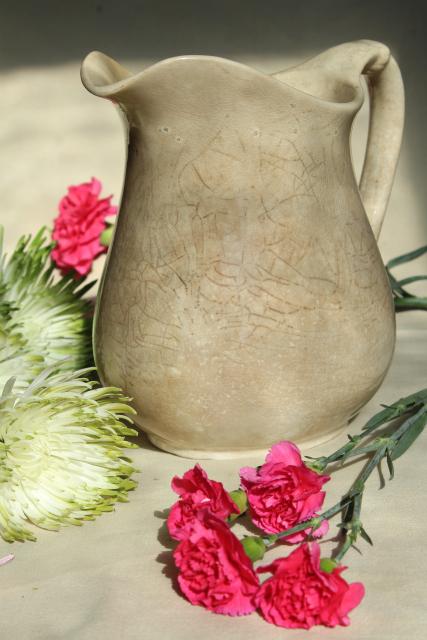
point(244, 298)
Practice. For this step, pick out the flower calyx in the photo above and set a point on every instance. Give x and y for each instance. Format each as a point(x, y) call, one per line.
point(240, 499)
point(327, 565)
point(254, 547)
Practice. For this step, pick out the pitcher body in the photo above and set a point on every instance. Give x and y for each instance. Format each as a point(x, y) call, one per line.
point(244, 298)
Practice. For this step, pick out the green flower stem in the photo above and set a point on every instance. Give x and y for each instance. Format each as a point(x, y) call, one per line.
point(397, 287)
point(352, 526)
point(403, 299)
point(406, 405)
point(389, 447)
point(308, 524)
point(358, 486)
point(411, 303)
point(406, 257)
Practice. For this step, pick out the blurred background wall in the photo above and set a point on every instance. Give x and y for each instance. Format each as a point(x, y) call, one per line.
point(53, 133)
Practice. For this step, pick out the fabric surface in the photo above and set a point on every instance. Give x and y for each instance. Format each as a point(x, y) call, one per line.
point(111, 578)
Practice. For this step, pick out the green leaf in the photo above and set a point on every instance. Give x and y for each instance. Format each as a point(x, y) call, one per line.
point(412, 279)
point(365, 536)
point(387, 414)
point(406, 257)
point(409, 437)
point(396, 286)
point(390, 412)
point(390, 464)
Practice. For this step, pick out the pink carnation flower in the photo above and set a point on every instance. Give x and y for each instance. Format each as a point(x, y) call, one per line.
point(300, 595)
point(284, 492)
point(197, 491)
point(78, 227)
point(214, 571)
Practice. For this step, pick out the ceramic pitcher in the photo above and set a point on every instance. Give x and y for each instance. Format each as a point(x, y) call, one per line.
point(244, 298)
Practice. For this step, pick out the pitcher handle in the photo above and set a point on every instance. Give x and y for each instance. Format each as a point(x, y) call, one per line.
point(387, 107)
point(342, 66)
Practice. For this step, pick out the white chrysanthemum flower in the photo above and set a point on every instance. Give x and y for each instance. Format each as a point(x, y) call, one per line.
point(61, 452)
point(47, 318)
point(16, 358)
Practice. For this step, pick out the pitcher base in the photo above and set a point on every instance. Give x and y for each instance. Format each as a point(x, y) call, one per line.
point(212, 454)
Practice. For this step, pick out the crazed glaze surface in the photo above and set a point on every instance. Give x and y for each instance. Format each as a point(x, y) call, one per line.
point(244, 300)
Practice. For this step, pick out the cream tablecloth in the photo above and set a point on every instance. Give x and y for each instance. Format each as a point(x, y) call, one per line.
point(110, 578)
point(107, 580)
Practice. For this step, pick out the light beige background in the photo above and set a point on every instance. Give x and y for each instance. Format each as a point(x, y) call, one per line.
point(103, 581)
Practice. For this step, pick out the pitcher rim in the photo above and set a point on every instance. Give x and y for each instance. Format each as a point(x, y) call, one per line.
point(113, 89)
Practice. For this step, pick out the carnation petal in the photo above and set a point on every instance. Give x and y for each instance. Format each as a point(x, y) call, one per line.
point(352, 597)
point(214, 570)
point(311, 504)
point(320, 531)
point(95, 186)
point(286, 453)
point(248, 475)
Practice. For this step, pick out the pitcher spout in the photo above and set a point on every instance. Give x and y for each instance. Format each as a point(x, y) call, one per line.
point(103, 76)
